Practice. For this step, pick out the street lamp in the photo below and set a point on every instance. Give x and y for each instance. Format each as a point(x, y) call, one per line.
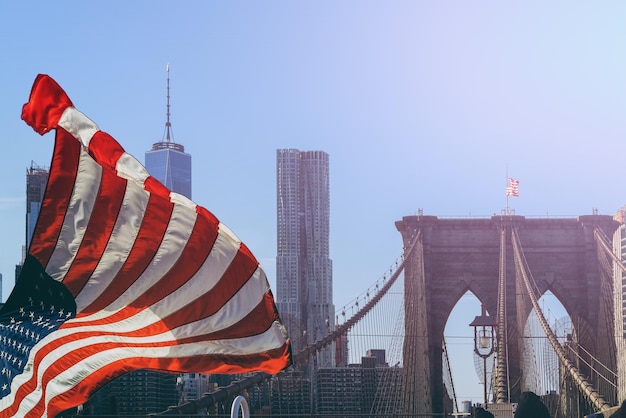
point(484, 340)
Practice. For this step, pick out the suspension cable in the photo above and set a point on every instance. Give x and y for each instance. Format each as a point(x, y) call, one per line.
point(502, 375)
point(386, 400)
point(449, 374)
point(602, 239)
point(590, 364)
point(606, 285)
point(343, 328)
point(208, 399)
point(581, 382)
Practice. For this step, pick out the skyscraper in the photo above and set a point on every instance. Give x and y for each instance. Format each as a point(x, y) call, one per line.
point(167, 161)
point(36, 180)
point(144, 391)
point(304, 286)
point(619, 295)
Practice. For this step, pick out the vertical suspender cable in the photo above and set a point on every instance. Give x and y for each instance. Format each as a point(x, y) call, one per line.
point(209, 399)
point(449, 375)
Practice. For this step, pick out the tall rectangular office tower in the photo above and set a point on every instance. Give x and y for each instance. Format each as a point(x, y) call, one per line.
point(304, 284)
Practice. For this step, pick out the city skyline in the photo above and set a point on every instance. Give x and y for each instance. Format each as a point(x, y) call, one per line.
point(419, 105)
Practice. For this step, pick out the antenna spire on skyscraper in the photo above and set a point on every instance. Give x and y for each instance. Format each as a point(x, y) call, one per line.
point(168, 142)
point(167, 161)
point(168, 124)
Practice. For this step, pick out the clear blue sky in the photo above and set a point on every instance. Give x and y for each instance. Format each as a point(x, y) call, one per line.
point(419, 105)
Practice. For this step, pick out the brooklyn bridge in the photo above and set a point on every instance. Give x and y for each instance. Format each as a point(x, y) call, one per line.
point(389, 356)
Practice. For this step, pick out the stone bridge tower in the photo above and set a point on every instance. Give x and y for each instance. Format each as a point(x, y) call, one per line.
point(453, 256)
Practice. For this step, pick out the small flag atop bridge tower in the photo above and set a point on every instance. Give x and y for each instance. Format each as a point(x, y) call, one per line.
point(512, 189)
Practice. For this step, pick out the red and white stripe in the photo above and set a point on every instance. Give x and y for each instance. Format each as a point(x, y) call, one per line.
point(512, 187)
point(158, 281)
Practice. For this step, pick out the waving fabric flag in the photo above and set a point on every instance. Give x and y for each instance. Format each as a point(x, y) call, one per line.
point(123, 274)
point(512, 187)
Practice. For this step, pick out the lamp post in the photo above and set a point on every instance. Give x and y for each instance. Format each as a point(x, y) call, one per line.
point(484, 340)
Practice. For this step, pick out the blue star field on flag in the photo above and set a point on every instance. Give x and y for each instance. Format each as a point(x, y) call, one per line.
point(38, 306)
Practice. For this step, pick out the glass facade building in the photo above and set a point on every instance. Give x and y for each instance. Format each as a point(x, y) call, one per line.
point(171, 165)
point(304, 286)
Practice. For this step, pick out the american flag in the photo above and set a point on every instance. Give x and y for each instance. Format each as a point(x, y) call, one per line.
point(123, 274)
point(512, 187)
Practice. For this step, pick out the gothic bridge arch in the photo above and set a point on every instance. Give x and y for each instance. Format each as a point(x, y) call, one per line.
point(456, 255)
